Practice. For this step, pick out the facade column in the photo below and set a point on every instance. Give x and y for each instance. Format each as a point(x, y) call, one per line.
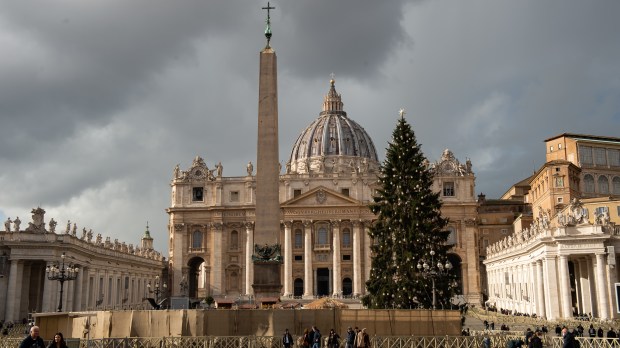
point(367, 254)
point(577, 268)
point(249, 267)
point(584, 281)
point(217, 279)
point(601, 287)
point(565, 298)
point(337, 278)
point(288, 259)
point(308, 282)
point(613, 278)
point(357, 262)
point(14, 291)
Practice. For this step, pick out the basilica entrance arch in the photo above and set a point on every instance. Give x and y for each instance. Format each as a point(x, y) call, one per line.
point(196, 265)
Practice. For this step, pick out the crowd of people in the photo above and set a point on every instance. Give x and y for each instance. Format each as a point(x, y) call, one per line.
point(312, 338)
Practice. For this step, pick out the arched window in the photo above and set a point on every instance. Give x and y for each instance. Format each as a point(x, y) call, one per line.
point(452, 236)
point(603, 184)
point(234, 240)
point(346, 238)
point(234, 281)
point(322, 236)
point(197, 240)
point(616, 185)
point(588, 183)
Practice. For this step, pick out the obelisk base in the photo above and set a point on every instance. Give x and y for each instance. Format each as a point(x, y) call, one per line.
point(267, 280)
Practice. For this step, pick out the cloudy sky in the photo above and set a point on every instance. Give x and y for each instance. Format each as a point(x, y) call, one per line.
point(99, 100)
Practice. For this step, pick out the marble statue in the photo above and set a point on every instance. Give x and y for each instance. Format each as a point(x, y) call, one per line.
point(52, 225)
point(16, 223)
point(68, 229)
point(7, 225)
point(250, 168)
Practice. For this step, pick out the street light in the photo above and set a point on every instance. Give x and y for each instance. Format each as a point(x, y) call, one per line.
point(157, 289)
point(62, 274)
point(433, 271)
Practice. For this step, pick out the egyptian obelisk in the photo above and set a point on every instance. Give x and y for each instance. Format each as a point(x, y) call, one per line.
point(267, 257)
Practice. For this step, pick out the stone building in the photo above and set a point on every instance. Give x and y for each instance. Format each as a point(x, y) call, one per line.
point(326, 186)
point(109, 274)
point(571, 246)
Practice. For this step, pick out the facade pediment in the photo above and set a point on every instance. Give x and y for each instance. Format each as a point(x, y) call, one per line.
point(320, 196)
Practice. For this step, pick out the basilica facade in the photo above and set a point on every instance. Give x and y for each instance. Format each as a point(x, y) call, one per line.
point(325, 190)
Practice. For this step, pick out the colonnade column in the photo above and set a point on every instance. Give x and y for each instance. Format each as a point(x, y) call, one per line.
point(551, 287)
point(249, 250)
point(308, 259)
point(357, 261)
point(288, 259)
point(367, 253)
point(565, 298)
point(14, 291)
point(337, 279)
point(601, 287)
point(216, 258)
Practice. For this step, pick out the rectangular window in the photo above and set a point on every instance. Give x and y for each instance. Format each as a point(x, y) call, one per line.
point(296, 193)
point(448, 189)
point(600, 156)
point(299, 240)
point(618, 208)
point(197, 194)
point(485, 231)
point(345, 191)
point(614, 157)
point(585, 154)
point(234, 196)
point(485, 243)
point(560, 200)
point(346, 239)
point(504, 231)
point(601, 210)
point(503, 220)
point(299, 258)
point(346, 257)
point(559, 181)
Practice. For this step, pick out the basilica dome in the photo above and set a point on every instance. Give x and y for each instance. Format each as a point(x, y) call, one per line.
point(333, 143)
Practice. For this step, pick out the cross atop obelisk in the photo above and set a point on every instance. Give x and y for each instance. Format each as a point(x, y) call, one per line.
point(267, 254)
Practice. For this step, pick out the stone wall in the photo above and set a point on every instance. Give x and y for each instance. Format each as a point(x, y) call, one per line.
point(104, 324)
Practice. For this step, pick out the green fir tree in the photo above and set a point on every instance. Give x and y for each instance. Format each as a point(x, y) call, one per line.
point(409, 226)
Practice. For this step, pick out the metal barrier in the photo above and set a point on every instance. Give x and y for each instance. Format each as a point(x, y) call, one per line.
point(497, 341)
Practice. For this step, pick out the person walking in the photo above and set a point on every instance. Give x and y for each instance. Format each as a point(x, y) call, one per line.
point(350, 339)
point(592, 331)
point(536, 341)
point(316, 338)
point(568, 341)
point(287, 339)
point(333, 340)
point(58, 341)
point(362, 340)
point(33, 340)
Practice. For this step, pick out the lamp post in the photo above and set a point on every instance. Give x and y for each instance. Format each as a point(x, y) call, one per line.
point(156, 289)
point(433, 271)
point(62, 274)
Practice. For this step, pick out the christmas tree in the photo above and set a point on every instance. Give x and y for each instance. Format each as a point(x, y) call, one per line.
point(409, 231)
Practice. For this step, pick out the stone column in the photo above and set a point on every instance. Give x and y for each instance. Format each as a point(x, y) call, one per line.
point(601, 287)
point(367, 254)
point(249, 250)
point(217, 279)
point(337, 278)
point(357, 261)
point(14, 291)
point(288, 259)
point(551, 287)
point(565, 298)
point(584, 281)
point(308, 283)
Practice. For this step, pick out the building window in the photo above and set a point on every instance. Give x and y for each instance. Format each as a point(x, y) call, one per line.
point(296, 193)
point(600, 158)
point(234, 196)
point(614, 157)
point(551, 148)
point(299, 239)
point(299, 258)
point(560, 200)
point(485, 243)
point(588, 183)
point(448, 189)
point(452, 236)
point(234, 240)
point(485, 231)
point(346, 238)
point(346, 257)
point(616, 185)
point(503, 220)
point(560, 146)
point(585, 154)
point(197, 194)
point(504, 231)
point(321, 236)
point(603, 184)
point(344, 191)
point(618, 210)
point(559, 181)
point(197, 240)
point(601, 210)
